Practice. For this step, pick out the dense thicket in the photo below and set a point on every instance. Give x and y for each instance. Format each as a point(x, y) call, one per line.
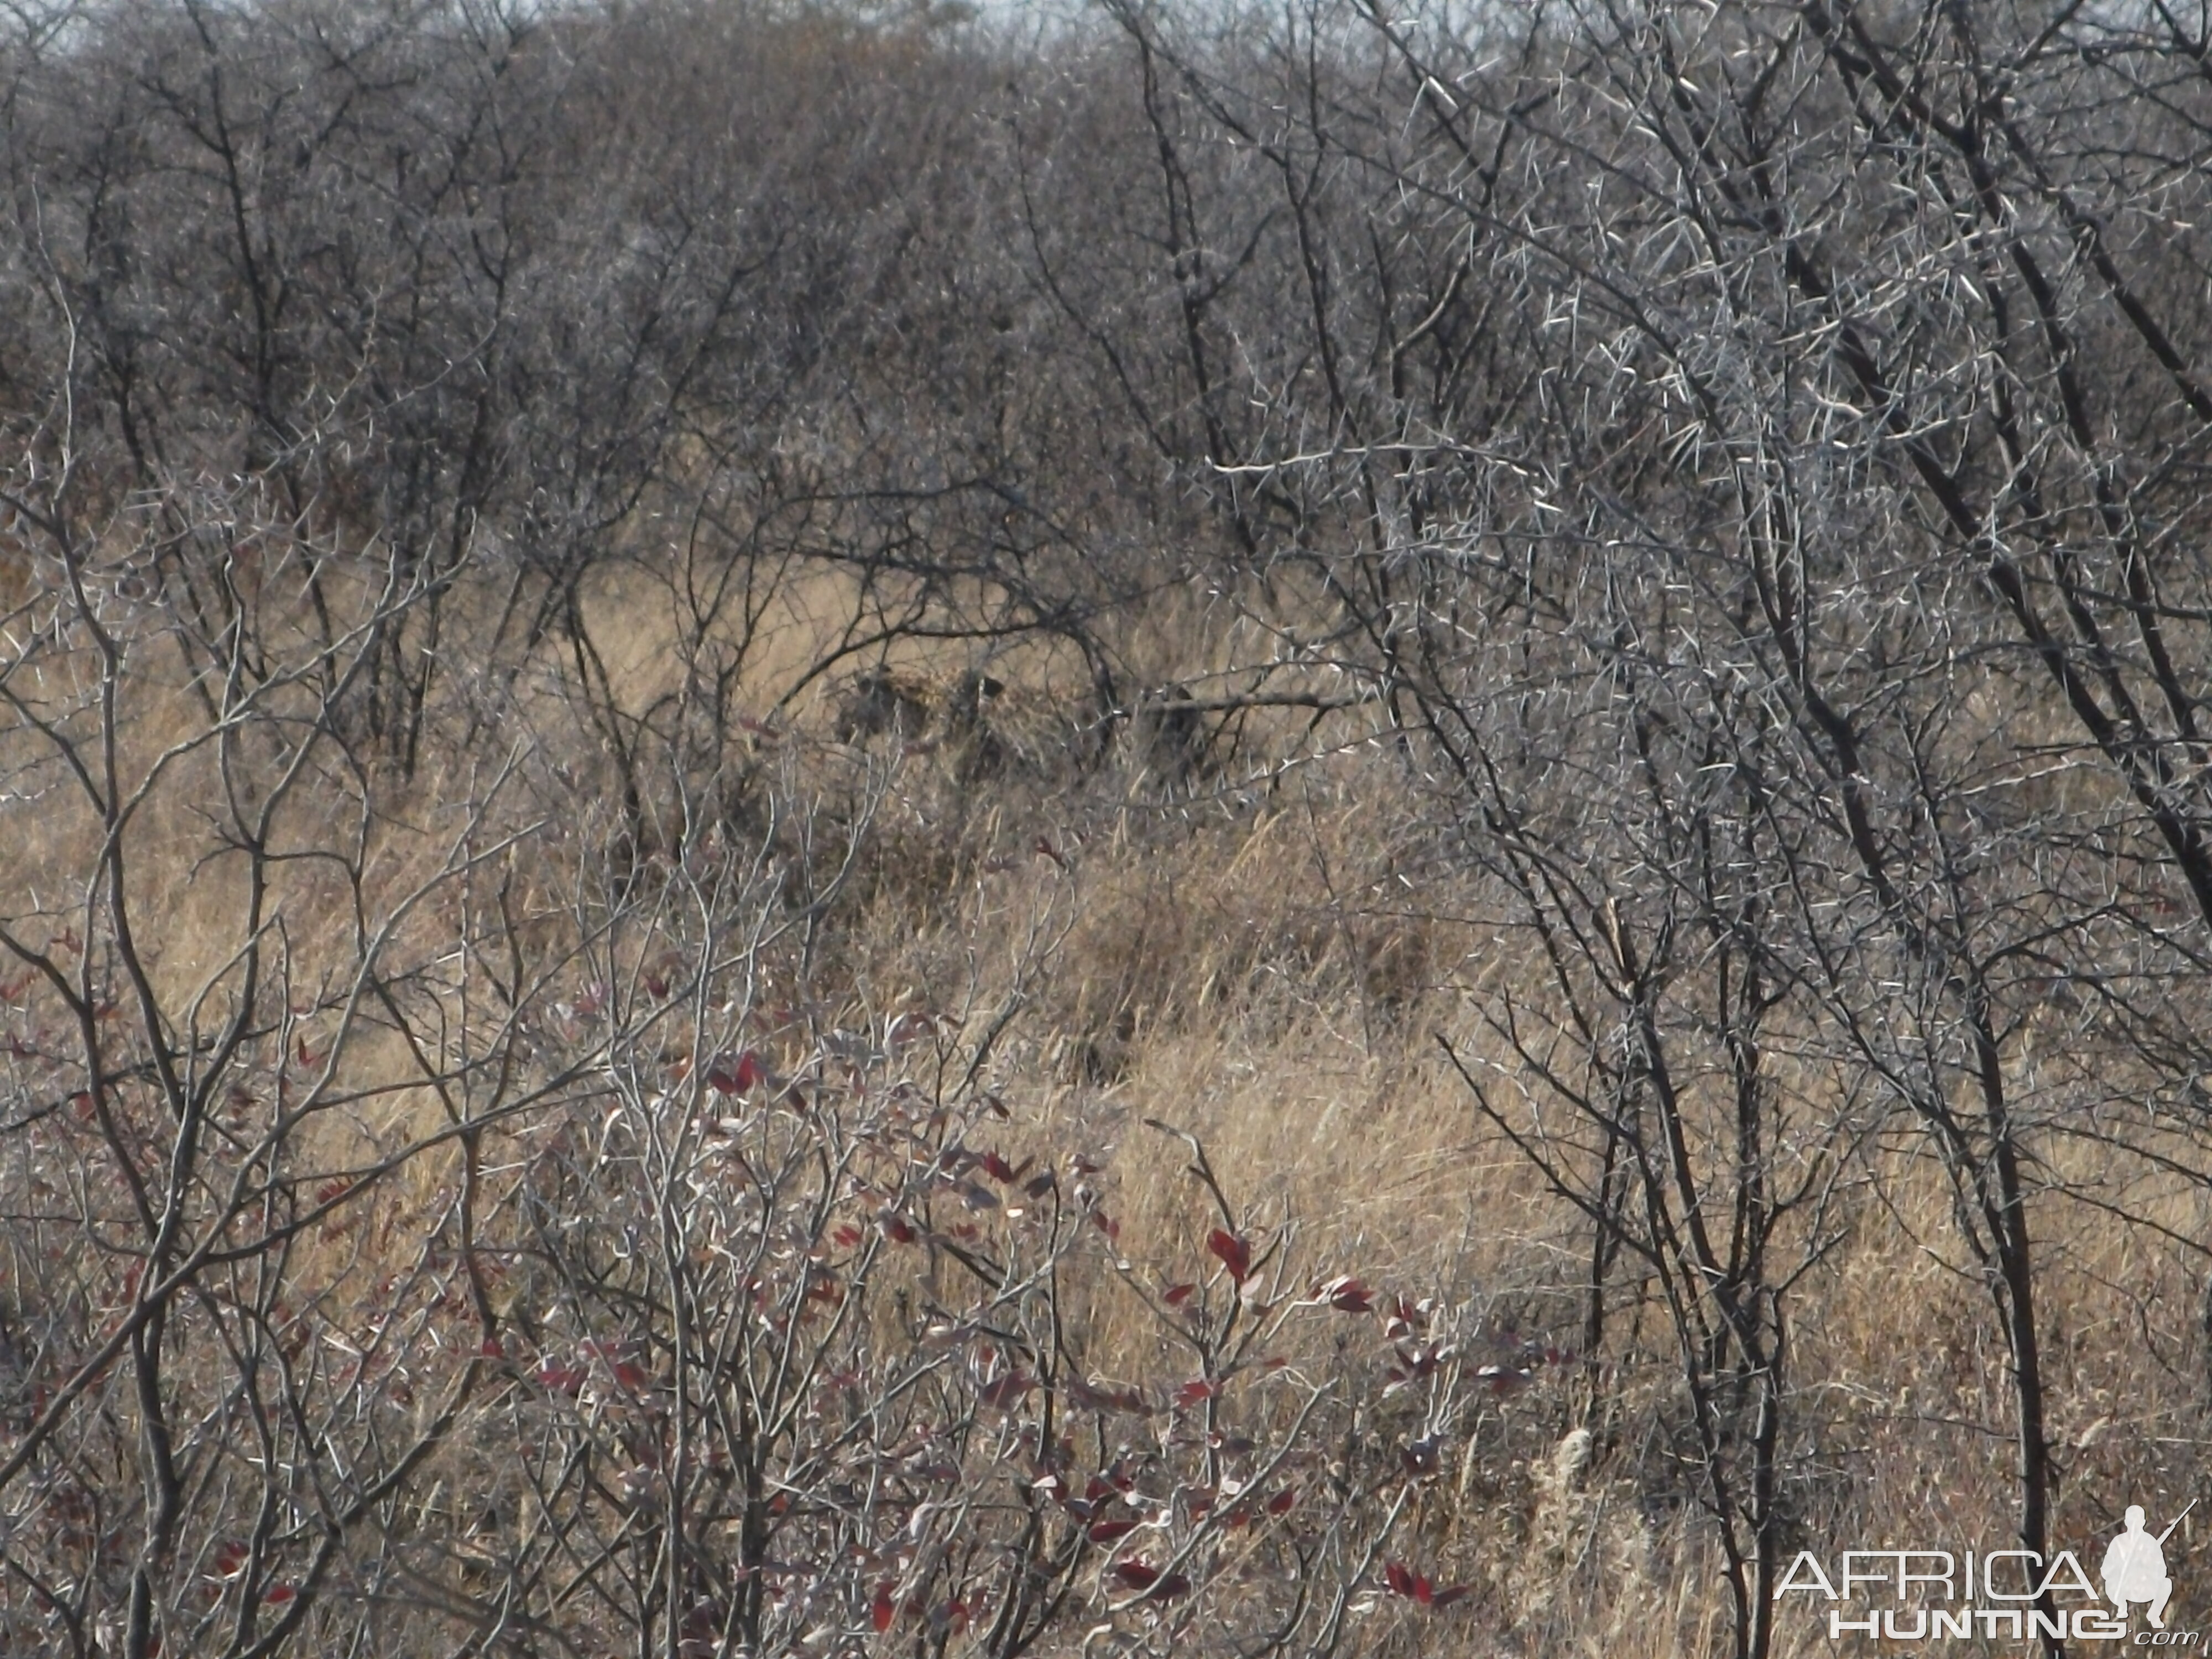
point(1739, 469)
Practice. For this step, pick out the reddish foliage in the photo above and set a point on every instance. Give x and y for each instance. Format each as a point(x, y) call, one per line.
point(1413, 1586)
point(1234, 1253)
point(1348, 1295)
point(736, 1074)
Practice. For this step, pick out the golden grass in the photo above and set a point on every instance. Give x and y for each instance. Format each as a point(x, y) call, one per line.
point(1252, 970)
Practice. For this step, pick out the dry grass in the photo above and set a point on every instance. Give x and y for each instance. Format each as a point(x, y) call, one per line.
point(1252, 962)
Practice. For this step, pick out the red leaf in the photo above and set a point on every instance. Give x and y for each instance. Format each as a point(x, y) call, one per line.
point(560, 1379)
point(1234, 1253)
point(1196, 1392)
point(881, 1613)
point(630, 1376)
point(1179, 1294)
point(1405, 1582)
point(1107, 1225)
point(280, 1595)
point(998, 1168)
point(734, 1075)
point(1003, 1391)
point(1105, 1532)
point(1281, 1502)
point(845, 1237)
point(1349, 1296)
point(1167, 1589)
point(1137, 1575)
point(491, 1349)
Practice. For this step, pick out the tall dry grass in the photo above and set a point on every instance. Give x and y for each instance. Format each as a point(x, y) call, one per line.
point(1262, 956)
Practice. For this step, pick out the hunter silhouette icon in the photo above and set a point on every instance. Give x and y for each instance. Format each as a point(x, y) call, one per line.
point(2135, 1566)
